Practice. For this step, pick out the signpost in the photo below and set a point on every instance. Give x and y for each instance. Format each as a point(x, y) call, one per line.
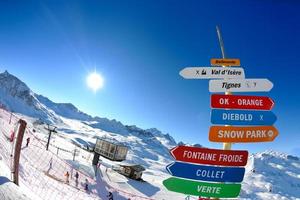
point(209, 156)
point(242, 134)
point(240, 85)
point(217, 190)
point(211, 72)
point(241, 102)
point(242, 117)
point(225, 62)
point(206, 173)
point(214, 166)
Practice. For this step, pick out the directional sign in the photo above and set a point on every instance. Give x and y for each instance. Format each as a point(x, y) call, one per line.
point(209, 156)
point(206, 173)
point(216, 190)
point(241, 102)
point(212, 72)
point(240, 85)
point(225, 62)
point(232, 134)
point(242, 117)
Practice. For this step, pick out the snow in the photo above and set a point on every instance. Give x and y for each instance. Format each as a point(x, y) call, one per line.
point(273, 171)
point(8, 190)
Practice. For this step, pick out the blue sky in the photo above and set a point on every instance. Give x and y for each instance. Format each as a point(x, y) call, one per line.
point(140, 47)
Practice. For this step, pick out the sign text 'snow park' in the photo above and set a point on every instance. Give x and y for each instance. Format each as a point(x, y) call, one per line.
point(234, 134)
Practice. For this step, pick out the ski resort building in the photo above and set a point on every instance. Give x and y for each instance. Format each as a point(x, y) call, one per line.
point(133, 171)
point(111, 149)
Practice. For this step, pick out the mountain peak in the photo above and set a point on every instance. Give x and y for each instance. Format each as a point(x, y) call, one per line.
point(6, 72)
point(16, 96)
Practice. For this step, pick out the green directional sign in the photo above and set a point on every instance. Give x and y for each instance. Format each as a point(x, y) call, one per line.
point(217, 190)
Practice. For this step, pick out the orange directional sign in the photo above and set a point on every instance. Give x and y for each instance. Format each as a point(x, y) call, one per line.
point(233, 134)
point(225, 62)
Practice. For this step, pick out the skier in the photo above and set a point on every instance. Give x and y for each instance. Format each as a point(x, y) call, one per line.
point(12, 136)
point(270, 188)
point(76, 178)
point(67, 177)
point(86, 185)
point(98, 165)
point(50, 164)
point(27, 141)
point(110, 196)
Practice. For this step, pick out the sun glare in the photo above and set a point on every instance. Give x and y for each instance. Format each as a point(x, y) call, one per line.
point(95, 81)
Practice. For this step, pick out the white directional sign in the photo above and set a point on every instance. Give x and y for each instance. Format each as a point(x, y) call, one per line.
point(240, 85)
point(212, 72)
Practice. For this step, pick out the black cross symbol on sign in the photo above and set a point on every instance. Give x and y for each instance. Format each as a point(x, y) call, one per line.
point(248, 84)
point(197, 72)
point(261, 117)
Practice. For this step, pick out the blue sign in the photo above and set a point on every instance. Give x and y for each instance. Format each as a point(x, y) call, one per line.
point(242, 117)
point(206, 173)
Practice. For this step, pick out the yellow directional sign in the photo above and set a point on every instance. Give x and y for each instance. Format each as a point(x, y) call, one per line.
point(225, 62)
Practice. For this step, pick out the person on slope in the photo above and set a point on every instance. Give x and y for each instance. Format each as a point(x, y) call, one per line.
point(86, 185)
point(110, 196)
point(50, 165)
point(27, 141)
point(76, 178)
point(12, 136)
point(67, 175)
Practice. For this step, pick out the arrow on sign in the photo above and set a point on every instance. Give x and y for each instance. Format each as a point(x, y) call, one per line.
point(242, 117)
point(210, 156)
point(232, 134)
point(240, 85)
point(241, 102)
point(206, 173)
point(217, 190)
point(212, 72)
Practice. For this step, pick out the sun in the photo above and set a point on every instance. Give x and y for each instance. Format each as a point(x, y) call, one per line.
point(95, 81)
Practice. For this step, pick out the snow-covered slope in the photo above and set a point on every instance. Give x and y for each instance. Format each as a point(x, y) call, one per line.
point(64, 109)
point(272, 175)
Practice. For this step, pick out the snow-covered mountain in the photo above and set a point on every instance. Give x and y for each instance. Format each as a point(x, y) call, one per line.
point(16, 96)
point(67, 110)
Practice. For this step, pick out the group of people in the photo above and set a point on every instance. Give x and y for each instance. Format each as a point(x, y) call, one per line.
point(86, 183)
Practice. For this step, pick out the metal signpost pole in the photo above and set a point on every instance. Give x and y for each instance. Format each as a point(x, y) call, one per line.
point(226, 146)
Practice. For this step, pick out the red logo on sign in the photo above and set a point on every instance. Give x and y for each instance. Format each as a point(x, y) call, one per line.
point(241, 102)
